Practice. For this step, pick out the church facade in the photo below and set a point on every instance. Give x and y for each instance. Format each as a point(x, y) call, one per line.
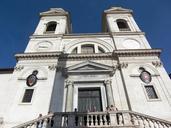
point(81, 76)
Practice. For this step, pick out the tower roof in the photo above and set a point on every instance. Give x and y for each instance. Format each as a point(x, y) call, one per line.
point(54, 12)
point(118, 10)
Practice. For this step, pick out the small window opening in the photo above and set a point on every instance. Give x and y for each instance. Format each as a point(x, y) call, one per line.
point(151, 93)
point(27, 96)
point(122, 25)
point(87, 49)
point(51, 26)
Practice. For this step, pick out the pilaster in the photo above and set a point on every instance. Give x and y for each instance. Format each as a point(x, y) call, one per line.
point(69, 97)
point(109, 92)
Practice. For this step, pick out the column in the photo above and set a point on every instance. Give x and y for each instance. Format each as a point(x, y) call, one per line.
point(69, 97)
point(109, 92)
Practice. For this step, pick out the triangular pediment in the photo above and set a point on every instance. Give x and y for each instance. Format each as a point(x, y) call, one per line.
point(54, 11)
point(89, 66)
point(117, 9)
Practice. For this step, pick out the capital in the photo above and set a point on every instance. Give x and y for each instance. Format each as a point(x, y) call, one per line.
point(157, 63)
point(107, 82)
point(69, 83)
point(123, 65)
point(52, 67)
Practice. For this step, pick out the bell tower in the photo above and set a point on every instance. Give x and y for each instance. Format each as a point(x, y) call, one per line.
point(126, 34)
point(54, 21)
point(52, 26)
point(144, 78)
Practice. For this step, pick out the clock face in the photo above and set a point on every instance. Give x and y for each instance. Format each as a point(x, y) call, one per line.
point(31, 80)
point(145, 76)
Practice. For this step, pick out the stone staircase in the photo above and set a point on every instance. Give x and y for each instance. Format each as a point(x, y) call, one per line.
point(125, 119)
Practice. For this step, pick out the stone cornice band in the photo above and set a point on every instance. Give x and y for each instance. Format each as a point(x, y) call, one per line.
point(64, 56)
point(137, 52)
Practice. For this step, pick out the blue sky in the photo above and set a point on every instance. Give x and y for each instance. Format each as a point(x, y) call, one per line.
point(19, 18)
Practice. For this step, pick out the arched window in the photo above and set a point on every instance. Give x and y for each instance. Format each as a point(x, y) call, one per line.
point(100, 50)
point(88, 48)
point(74, 51)
point(51, 26)
point(122, 25)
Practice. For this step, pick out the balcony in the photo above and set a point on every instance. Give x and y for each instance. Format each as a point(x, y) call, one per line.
point(127, 119)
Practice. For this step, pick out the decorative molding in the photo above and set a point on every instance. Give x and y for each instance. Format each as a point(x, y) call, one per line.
point(69, 82)
point(61, 56)
point(38, 55)
point(123, 65)
point(85, 35)
point(114, 70)
point(52, 67)
point(157, 63)
point(54, 12)
point(88, 67)
point(39, 78)
point(117, 10)
point(138, 75)
point(52, 35)
point(96, 56)
point(19, 68)
point(137, 52)
point(107, 82)
point(127, 33)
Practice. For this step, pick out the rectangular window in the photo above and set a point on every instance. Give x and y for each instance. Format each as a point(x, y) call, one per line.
point(151, 93)
point(27, 96)
point(87, 49)
point(89, 100)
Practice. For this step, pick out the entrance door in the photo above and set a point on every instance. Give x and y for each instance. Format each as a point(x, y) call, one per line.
point(89, 100)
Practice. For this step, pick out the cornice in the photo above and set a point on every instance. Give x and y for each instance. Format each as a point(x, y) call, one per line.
point(85, 56)
point(68, 36)
point(86, 35)
point(117, 10)
point(38, 55)
point(54, 12)
point(127, 33)
point(137, 52)
point(97, 56)
point(61, 56)
point(52, 35)
point(6, 70)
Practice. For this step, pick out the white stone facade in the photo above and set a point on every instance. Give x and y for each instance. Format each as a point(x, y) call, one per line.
point(113, 67)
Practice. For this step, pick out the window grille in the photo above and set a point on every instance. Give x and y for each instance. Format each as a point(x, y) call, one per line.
point(27, 95)
point(151, 92)
point(87, 49)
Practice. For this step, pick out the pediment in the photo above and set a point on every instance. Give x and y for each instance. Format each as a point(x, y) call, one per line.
point(117, 9)
point(88, 67)
point(54, 11)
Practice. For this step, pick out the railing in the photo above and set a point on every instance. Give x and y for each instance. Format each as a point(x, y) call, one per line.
point(96, 119)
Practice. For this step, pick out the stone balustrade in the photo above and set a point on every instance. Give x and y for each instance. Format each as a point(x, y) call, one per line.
point(96, 119)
